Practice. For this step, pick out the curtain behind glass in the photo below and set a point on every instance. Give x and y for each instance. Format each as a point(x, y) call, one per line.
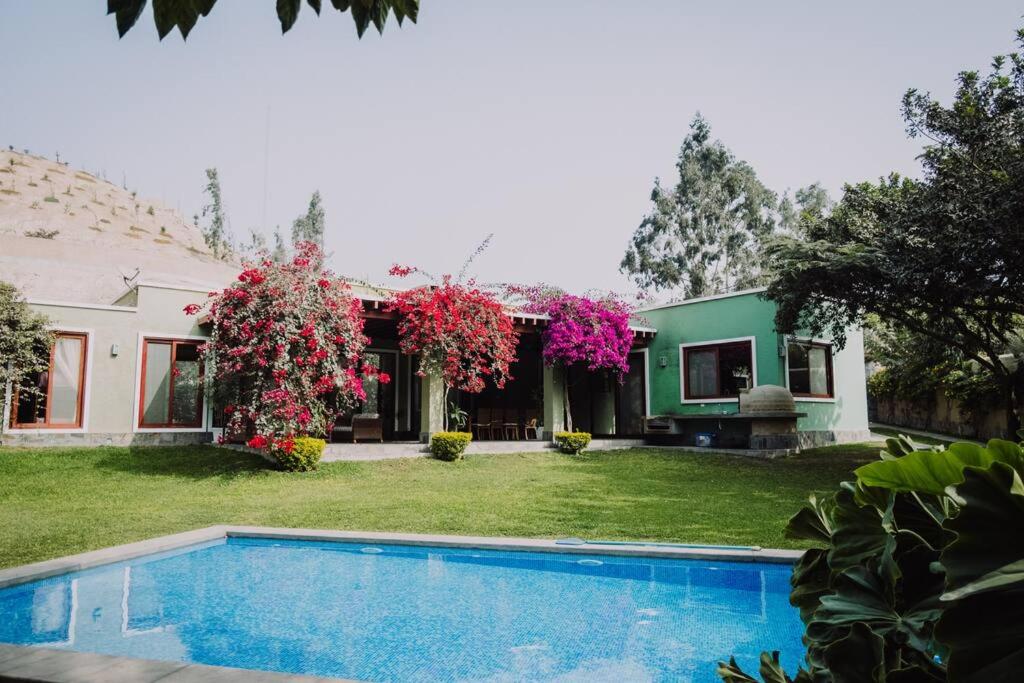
point(702, 373)
point(156, 401)
point(64, 392)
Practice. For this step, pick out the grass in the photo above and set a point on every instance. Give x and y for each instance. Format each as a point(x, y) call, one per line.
point(916, 438)
point(59, 501)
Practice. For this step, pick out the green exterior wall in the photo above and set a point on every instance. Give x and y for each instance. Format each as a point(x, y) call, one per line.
point(748, 315)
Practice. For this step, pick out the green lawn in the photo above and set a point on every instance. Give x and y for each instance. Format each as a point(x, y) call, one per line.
point(916, 438)
point(54, 502)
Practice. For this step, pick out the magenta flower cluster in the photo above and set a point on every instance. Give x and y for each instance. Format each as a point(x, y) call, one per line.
point(593, 332)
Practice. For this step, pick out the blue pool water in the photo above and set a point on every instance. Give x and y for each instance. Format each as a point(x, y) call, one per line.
point(403, 613)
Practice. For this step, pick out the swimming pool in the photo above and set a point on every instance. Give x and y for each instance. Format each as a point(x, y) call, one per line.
point(384, 612)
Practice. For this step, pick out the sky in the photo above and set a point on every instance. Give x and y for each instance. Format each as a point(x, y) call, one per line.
point(543, 122)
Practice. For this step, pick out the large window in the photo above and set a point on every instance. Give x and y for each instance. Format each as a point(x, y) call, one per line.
point(717, 370)
point(172, 384)
point(58, 402)
point(810, 369)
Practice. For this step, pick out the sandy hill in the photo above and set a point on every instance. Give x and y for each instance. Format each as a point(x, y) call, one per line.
point(67, 235)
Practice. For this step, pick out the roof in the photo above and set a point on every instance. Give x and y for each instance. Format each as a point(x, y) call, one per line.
point(702, 299)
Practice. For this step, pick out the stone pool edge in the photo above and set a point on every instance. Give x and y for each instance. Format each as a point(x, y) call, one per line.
point(47, 665)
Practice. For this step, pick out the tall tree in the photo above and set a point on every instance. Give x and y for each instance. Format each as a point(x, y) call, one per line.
point(215, 234)
point(25, 341)
point(703, 235)
point(807, 205)
point(183, 14)
point(310, 226)
point(279, 254)
point(939, 256)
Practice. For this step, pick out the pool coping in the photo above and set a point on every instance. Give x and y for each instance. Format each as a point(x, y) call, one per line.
point(33, 663)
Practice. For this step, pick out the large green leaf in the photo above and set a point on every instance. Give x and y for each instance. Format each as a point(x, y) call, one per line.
point(770, 669)
point(859, 657)
point(857, 531)
point(933, 471)
point(862, 596)
point(812, 522)
point(811, 579)
point(982, 623)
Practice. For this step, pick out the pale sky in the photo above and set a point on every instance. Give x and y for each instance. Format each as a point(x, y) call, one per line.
point(544, 122)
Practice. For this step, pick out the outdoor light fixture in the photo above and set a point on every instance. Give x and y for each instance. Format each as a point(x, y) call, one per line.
point(663, 361)
point(114, 350)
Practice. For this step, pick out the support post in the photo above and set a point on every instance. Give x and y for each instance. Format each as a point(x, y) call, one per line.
point(431, 406)
point(554, 401)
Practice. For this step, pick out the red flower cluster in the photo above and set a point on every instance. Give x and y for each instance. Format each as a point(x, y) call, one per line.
point(286, 341)
point(460, 332)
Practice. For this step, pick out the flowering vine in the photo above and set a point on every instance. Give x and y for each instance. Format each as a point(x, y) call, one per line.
point(286, 349)
point(592, 332)
point(460, 331)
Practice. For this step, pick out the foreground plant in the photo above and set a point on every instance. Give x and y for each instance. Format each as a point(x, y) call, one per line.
point(460, 332)
point(921, 573)
point(286, 350)
point(25, 341)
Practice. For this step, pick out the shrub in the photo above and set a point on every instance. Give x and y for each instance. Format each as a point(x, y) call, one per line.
point(303, 454)
point(449, 445)
point(572, 442)
point(917, 573)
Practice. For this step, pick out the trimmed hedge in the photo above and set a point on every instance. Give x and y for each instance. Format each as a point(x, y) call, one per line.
point(304, 456)
point(449, 445)
point(572, 442)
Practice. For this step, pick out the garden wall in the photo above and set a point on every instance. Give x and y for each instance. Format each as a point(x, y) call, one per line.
point(939, 414)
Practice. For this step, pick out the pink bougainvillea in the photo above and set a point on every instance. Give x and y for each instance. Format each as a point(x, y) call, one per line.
point(460, 332)
point(285, 349)
point(592, 332)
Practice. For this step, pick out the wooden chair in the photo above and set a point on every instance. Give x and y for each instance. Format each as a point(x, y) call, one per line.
point(510, 427)
point(482, 425)
point(530, 426)
point(367, 426)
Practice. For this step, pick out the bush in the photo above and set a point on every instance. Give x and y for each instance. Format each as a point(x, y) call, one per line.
point(303, 455)
point(449, 445)
point(572, 442)
point(916, 570)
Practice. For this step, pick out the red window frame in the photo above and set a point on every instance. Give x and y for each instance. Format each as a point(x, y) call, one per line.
point(828, 369)
point(718, 367)
point(174, 343)
point(80, 408)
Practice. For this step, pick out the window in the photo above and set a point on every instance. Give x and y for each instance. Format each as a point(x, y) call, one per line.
point(810, 369)
point(717, 370)
point(172, 384)
point(58, 404)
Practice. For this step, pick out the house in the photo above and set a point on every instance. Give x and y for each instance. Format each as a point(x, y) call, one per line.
point(129, 372)
point(709, 350)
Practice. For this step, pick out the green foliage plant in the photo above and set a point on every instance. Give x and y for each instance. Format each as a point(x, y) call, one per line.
point(25, 341)
point(303, 455)
point(919, 570)
point(183, 14)
point(449, 445)
point(572, 443)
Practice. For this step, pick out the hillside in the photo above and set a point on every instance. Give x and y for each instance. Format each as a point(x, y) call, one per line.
point(68, 235)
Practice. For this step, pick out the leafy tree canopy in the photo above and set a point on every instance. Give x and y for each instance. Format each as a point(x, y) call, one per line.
point(25, 341)
point(940, 255)
point(310, 226)
point(703, 235)
point(183, 14)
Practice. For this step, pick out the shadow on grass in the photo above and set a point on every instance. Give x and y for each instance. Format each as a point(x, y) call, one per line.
point(184, 462)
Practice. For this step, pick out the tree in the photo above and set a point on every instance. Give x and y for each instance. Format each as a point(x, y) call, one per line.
point(808, 204)
point(280, 252)
point(703, 236)
point(183, 14)
point(459, 331)
point(25, 341)
point(215, 234)
point(310, 227)
point(590, 332)
point(939, 256)
point(286, 349)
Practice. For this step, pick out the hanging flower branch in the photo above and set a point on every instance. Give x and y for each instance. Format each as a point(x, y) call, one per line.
point(286, 349)
point(593, 332)
point(461, 332)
